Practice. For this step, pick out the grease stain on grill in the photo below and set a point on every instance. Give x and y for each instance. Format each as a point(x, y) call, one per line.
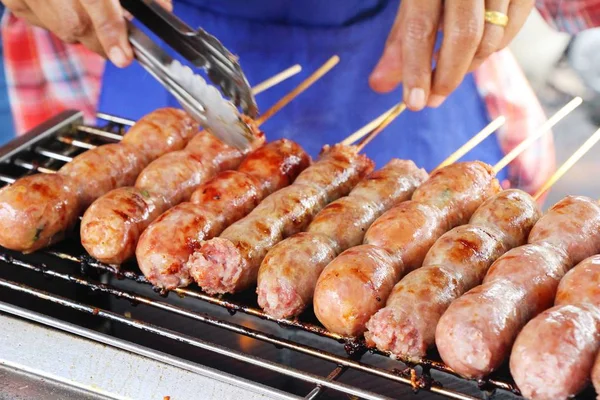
point(162, 292)
point(485, 386)
point(355, 348)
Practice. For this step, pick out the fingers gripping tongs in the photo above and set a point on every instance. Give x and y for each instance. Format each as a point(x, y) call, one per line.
point(202, 50)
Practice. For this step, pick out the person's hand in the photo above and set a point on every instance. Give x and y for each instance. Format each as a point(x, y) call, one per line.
point(97, 24)
point(468, 40)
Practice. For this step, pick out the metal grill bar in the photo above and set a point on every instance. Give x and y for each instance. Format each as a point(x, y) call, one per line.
point(202, 373)
point(33, 167)
point(206, 298)
point(62, 131)
point(51, 154)
point(316, 392)
point(99, 132)
point(76, 143)
point(260, 314)
point(96, 286)
point(115, 119)
point(202, 344)
point(7, 179)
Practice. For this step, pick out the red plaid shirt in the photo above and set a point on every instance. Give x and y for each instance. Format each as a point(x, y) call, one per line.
point(571, 16)
point(46, 76)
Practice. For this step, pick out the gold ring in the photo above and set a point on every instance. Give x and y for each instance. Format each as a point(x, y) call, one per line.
point(496, 18)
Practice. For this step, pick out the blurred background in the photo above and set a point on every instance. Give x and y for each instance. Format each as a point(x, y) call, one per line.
point(559, 67)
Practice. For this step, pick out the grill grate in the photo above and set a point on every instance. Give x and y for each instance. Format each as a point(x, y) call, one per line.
point(56, 142)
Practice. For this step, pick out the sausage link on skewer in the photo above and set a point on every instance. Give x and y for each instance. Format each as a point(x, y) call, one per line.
point(457, 262)
point(230, 263)
point(167, 244)
point(475, 334)
point(37, 210)
point(553, 355)
point(111, 227)
point(357, 283)
point(289, 273)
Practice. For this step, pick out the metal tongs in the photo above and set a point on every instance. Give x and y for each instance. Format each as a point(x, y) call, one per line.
point(202, 50)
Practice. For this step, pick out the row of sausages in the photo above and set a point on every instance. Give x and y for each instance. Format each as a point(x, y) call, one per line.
point(454, 263)
point(469, 289)
point(39, 209)
point(112, 225)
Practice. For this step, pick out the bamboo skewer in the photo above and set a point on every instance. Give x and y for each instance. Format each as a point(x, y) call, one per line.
point(474, 141)
point(285, 100)
point(276, 79)
point(397, 110)
point(365, 130)
point(546, 126)
point(580, 152)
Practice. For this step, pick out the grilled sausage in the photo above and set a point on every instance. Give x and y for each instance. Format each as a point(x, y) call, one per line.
point(289, 273)
point(353, 287)
point(573, 225)
point(161, 131)
point(102, 169)
point(166, 245)
point(89, 175)
point(230, 263)
point(405, 232)
point(458, 190)
point(457, 262)
point(111, 227)
point(447, 199)
point(35, 211)
point(553, 355)
point(477, 331)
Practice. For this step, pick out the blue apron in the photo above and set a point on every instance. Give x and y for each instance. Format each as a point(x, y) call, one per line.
point(270, 36)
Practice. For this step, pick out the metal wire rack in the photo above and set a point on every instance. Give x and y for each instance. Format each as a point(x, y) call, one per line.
point(56, 142)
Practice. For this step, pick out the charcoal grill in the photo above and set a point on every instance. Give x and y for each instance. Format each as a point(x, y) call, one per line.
point(77, 328)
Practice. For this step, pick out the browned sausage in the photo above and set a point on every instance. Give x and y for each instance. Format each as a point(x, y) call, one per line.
point(111, 227)
point(90, 175)
point(573, 225)
point(476, 333)
point(406, 232)
point(289, 273)
point(457, 262)
point(161, 131)
point(36, 210)
point(165, 247)
point(553, 355)
point(230, 263)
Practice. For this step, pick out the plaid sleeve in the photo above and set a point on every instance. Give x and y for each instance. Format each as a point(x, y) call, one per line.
point(571, 16)
point(507, 92)
point(46, 76)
